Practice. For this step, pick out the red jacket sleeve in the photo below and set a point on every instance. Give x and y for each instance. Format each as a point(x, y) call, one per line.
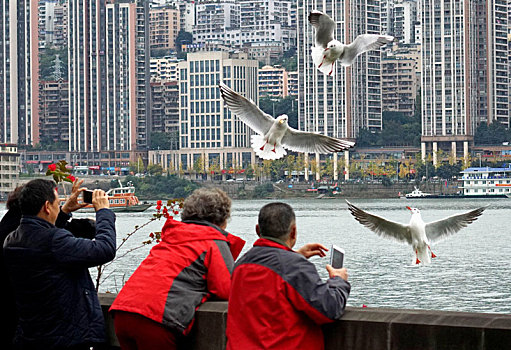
point(220, 263)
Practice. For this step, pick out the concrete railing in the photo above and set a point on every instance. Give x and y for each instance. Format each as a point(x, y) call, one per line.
point(369, 329)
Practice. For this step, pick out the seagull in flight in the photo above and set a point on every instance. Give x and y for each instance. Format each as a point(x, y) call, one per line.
point(328, 50)
point(417, 233)
point(275, 134)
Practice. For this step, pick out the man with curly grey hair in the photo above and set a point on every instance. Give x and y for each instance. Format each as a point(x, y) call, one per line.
point(192, 263)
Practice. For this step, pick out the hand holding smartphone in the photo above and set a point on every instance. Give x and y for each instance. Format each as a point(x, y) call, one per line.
point(336, 257)
point(87, 196)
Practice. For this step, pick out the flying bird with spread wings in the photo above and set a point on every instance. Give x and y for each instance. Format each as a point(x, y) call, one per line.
point(328, 50)
point(417, 233)
point(274, 135)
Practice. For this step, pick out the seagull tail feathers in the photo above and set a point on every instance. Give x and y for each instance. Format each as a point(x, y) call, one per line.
point(317, 54)
point(266, 151)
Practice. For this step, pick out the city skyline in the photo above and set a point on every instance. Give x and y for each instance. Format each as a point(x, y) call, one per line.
point(459, 54)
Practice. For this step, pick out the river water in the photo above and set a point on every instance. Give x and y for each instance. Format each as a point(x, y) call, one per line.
point(471, 272)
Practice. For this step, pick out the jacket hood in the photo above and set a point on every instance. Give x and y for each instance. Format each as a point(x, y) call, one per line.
point(174, 232)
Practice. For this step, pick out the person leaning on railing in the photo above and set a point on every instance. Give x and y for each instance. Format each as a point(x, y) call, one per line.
point(192, 264)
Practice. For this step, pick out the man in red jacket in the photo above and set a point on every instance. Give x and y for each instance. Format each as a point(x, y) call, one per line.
point(277, 299)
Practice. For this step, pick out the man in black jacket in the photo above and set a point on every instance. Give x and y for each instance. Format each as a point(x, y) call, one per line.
point(57, 304)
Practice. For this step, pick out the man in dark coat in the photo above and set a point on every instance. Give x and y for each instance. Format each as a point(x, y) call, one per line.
point(84, 228)
point(57, 304)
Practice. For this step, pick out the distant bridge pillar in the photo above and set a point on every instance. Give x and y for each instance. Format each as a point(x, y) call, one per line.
point(346, 165)
point(306, 166)
point(336, 175)
point(435, 155)
point(465, 152)
point(453, 150)
point(318, 167)
point(423, 151)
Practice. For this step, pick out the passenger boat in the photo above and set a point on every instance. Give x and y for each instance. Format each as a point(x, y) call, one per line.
point(486, 182)
point(122, 199)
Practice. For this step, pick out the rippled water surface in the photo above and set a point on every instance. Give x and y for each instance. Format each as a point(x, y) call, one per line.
point(471, 272)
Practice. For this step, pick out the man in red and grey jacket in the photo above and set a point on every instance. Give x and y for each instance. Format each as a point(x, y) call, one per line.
point(277, 299)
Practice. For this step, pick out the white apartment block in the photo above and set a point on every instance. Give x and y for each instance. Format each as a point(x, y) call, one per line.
point(9, 169)
point(209, 132)
point(164, 69)
point(465, 71)
point(405, 20)
point(217, 23)
point(267, 21)
point(52, 24)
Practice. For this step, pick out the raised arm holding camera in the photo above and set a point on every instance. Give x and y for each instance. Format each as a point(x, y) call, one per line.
point(56, 299)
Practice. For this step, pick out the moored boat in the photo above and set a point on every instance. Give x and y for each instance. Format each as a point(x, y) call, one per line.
point(121, 199)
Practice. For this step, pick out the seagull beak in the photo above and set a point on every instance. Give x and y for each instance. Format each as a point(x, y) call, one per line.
point(281, 121)
point(326, 49)
point(409, 208)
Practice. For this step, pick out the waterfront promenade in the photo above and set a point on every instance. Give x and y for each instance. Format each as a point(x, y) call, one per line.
point(369, 329)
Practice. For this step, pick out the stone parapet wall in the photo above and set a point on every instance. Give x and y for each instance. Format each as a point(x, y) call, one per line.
point(369, 329)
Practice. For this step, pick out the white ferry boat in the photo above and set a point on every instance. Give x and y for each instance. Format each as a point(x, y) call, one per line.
point(416, 193)
point(486, 182)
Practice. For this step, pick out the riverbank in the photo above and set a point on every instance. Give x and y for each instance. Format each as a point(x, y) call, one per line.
point(161, 187)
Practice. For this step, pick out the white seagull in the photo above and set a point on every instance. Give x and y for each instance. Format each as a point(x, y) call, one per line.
point(275, 134)
point(417, 233)
point(328, 49)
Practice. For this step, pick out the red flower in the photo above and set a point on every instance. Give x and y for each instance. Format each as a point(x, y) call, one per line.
point(158, 207)
point(176, 212)
point(364, 305)
point(165, 211)
point(71, 177)
point(151, 235)
point(52, 167)
point(158, 203)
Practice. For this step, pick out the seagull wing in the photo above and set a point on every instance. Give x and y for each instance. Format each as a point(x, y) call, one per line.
point(325, 27)
point(439, 229)
point(363, 43)
point(381, 226)
point(308, 142)
point(246, 110)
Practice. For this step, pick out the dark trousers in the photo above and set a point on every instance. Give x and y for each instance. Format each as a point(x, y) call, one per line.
point(136, 332)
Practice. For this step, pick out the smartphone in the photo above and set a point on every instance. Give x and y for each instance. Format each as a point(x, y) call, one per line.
point(336, 257)
point(87, 196)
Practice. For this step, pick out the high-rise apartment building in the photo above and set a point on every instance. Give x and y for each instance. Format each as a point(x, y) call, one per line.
point(267, 21)
point(465, 79)
point(52, 24)
point(273, 82)
point(54, 112)
point(218, 23)
point(349, 100)
point(109, 76)
point(399, 85)
point(164, 26)
point(165, 110)
point(404, 20)
point(19, 72)
point(209, 132)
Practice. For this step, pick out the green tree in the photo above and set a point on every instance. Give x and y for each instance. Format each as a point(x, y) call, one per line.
point(287, 105)
point(183, 37)
point(137, 167)
point(154, 169)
